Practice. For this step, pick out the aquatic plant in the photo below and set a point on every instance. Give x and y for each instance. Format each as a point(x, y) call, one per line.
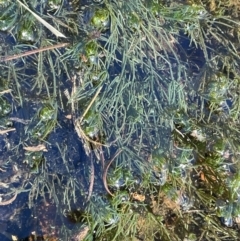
point(150, 90)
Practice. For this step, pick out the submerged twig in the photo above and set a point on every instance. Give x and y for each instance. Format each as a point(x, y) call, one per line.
point(35, 51)
point(106, 170)
point(92, 173)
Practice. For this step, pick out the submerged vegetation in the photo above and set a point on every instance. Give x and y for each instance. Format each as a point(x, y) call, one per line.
point(130, 130)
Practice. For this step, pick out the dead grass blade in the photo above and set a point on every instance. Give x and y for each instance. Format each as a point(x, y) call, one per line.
point(2, 132)
point(91, 103)
point(5, 91)
point(4, 203)
point(40, 147)
point(47, 25)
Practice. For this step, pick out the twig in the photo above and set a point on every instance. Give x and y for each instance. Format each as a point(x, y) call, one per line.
point(106, 170)
point(35, 51)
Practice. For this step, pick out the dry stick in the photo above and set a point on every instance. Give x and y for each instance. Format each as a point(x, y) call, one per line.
point(106, 170)
point(35, 51)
